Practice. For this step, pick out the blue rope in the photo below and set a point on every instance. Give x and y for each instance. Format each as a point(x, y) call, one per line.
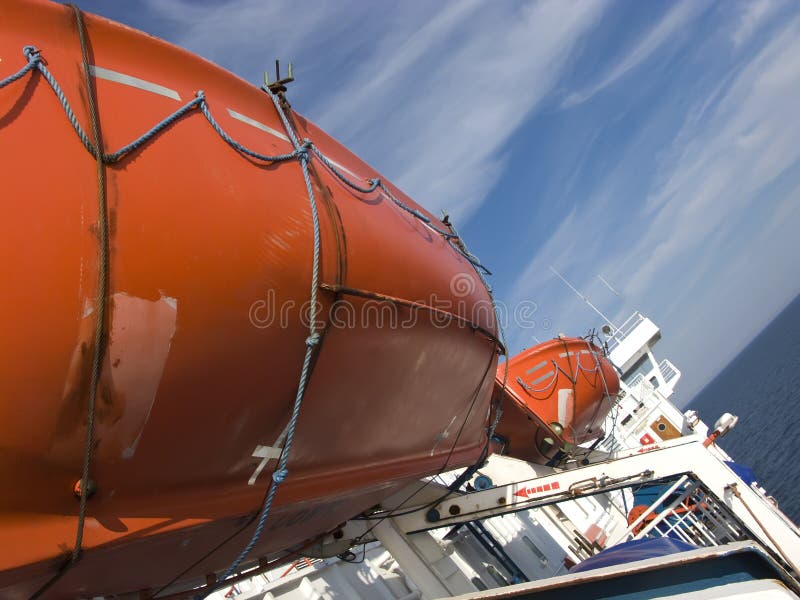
point(303, 153)
point(373, 183)
point(313, 339)
point(377, 183)
point(33, 55)
point(300, 150)
point(35, 62)
point(452, 236)
point(154, 131)
point(32, 60)
point(233, 143)
point(461, 248)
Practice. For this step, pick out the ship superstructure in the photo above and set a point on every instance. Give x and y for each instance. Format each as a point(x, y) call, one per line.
point(657, 477)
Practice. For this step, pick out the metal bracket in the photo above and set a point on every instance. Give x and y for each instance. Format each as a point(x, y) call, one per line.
point(279, 85)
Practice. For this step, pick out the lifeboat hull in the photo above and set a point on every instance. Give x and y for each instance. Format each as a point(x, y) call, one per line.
point(556, 396)
point(210, 269)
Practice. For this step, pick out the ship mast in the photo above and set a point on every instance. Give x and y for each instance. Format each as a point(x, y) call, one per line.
point(614, 328)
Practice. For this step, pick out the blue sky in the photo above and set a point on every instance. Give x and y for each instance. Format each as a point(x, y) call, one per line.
point(652, 143)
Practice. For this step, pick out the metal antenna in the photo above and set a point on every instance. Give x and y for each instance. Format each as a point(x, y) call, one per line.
point(614, 328)
point(609, 286)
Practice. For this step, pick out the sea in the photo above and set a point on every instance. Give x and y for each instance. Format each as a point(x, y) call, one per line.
point(762, 387)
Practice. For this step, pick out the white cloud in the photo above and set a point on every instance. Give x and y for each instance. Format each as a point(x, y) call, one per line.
point(438, 107)
point(671, 24)
point(245, 36)
point(696, 251)
point(432, 94)
point(748, 141)
point(428, 93)
point(752, 15)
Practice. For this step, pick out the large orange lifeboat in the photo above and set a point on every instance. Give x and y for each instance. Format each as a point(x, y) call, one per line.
point(556, 396)
point(179, 309)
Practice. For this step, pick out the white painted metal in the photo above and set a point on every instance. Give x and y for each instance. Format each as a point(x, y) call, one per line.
point(375, 575)
point(678, 457)
point(546, 519)
point(435, 573)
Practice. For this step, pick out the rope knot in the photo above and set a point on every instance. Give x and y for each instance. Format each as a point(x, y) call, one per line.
point(200, 94)
point(313, 339)
point(279, 476)
point(32, 53)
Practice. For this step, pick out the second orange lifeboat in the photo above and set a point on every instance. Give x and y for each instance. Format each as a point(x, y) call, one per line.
point(555, 397)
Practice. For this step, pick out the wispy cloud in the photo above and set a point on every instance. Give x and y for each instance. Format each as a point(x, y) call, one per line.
point(428, 93)
point(670, 25)
point(704, 227)
point(438, 107)
point(682, 190)
point(752, 15)
point(245, 36)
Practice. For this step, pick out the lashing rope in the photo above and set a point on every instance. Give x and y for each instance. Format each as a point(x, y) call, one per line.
point(35, 62)
point(451, 236)
point(102, 288)
point(303, 152)
point(313, 339)
point(579, 368)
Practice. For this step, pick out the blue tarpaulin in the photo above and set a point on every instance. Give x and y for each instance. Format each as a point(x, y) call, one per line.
point(633, 551)
point(746, 474)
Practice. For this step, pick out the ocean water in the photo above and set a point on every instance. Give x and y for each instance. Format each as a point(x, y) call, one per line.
point(762, 386)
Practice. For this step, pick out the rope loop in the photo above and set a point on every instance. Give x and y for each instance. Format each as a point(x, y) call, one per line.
point(33, 54)
point(303, 151)
point(34, 60)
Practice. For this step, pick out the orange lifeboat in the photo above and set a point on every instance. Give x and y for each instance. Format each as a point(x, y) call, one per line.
point(179, 310)
point(556, 396)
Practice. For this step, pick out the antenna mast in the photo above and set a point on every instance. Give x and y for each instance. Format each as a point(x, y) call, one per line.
point(609, 286)
point(614, 328)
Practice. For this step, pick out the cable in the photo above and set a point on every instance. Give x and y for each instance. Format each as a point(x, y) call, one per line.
point(100, 306)
point(312, 341)
point(457, 483)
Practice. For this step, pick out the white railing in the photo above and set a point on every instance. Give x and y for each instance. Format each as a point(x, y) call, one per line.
point(693, 516)
point(668, 370)
point(621, 332)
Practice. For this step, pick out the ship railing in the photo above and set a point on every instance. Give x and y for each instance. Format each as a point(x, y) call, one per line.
point(700, 501)
point(641, 386)
point(688, 513)
point(668, 370)
point(621, 332)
